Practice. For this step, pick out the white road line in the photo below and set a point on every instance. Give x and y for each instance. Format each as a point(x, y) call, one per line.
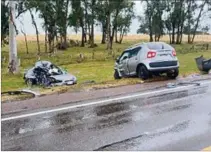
point(98, 102)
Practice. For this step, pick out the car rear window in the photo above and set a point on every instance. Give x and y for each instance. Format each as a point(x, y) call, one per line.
point(158, 46)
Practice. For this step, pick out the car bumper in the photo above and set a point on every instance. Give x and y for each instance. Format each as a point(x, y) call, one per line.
point(162, 66)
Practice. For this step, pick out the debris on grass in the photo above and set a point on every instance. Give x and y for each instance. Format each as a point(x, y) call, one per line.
point(203, 64)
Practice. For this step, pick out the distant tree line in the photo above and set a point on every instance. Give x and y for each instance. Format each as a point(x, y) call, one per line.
point(175, 18)
point(172, 17)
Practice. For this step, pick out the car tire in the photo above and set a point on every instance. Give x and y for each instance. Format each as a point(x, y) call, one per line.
point(143, 72)
point(172, 74)
point(29, 82)
point(116, 75)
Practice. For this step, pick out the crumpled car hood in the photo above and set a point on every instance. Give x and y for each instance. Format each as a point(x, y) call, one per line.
point(64, 77)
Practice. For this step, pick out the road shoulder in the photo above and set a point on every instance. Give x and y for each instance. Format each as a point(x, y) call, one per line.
point(74, 97)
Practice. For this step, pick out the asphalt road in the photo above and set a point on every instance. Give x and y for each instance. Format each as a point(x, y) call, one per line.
point(179, 119)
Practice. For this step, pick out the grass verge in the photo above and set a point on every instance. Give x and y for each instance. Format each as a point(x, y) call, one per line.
point(96, 66)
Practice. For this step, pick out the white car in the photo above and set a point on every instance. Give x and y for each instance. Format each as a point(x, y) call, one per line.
point(147, 59)
point(45, 69)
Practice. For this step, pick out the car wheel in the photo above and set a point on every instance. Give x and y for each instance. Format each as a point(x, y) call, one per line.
point(29, 82)
point(143, 72)
point(172, 74)
point(116, 75)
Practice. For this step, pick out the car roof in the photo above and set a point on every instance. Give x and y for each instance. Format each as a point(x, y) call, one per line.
point(151, 45)
point(134, 46)
point(158, 45)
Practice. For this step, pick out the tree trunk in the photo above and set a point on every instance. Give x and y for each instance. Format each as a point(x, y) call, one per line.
point(52, 46)
point(49, 44)
point(83, 32)
point(169, 32)
point(158, 38)
point(189, 32)
point(178, 34)
point(116, 37)
point(155, 37)
point(25, 37)
point(46, 41)
point(85, 39)
point(37, 33)
point(89, 40)
point(188, 19)
point(26, 42)
point(149, 14)
point(121, 37)
point(82, 37)
point(114, 29)
point(103, 37)
point(111, 42)
point(13, 64)
point(92, 26)
point(112, 36)
point(173, 34)
point(197, 21)
point(87, 31)
point(103, 41)
point(57, 39)
point(180, 41)
point(150, 30)
point(181, 32)
point(151, 36)
point(92, 36)
point(108, 31)
point(180, 21)
point(66, 17)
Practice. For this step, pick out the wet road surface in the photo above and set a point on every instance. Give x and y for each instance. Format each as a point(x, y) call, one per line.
point(178, 120)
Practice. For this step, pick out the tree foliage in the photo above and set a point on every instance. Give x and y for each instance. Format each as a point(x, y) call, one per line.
point(172, 17)
point(4, 21)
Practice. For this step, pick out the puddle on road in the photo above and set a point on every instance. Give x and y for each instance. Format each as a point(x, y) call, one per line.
point(67, 117)
point(111, 108)
point(112, 121)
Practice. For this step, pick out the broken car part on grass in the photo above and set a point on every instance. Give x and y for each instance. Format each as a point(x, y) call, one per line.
point(203, 64)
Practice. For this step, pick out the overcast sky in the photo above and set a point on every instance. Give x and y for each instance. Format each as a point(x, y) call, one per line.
point(29, 29)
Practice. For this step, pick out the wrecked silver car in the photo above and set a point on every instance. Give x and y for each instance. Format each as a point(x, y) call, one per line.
point(46, 73)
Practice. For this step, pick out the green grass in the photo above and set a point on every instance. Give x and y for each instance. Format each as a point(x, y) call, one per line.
point(98, 68)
